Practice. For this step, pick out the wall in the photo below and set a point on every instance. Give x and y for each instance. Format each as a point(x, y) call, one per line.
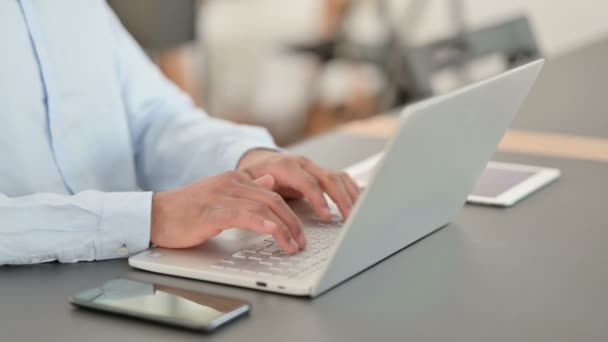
point(560, 25)
point(254, 81)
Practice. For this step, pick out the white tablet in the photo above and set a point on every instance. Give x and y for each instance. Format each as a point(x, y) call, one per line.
point(504, 184)
point(501, 184)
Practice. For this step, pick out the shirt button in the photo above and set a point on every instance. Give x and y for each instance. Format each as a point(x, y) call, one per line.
point(123, 251)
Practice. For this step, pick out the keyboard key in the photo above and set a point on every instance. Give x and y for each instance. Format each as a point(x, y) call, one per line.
point(301, 267)
point(251, 257)
point(230, 262)
point(306, 263)
point(270, 250)
point(255, 266)
point(217, 267)
point(319, 258)
point(325, 253)
point(307, 253)
point(240, 255)
point(324, 248)
point(257, 246)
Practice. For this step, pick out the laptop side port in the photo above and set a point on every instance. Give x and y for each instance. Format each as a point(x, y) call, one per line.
point(261, 284)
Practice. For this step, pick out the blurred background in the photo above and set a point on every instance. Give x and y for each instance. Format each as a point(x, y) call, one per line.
point(302, 67)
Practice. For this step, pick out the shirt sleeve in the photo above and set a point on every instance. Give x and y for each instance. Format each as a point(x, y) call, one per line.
point(175, 143)
point(90, 225)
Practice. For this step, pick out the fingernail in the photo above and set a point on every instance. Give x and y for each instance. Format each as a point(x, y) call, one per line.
point(269, 225)
point(294, 245)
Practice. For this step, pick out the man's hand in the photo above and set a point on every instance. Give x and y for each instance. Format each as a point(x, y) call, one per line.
point(193, 214)
point(298, 177)
point(250, 198)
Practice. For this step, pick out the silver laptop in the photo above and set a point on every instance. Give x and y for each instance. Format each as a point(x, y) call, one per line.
point(422, 181)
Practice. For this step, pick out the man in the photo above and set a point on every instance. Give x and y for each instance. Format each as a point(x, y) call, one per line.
point(102, 156)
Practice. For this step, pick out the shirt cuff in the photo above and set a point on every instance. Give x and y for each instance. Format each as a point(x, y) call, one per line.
point(125, 224)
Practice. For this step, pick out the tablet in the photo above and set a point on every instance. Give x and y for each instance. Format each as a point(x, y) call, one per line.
point(504, 184)
point(501, 184)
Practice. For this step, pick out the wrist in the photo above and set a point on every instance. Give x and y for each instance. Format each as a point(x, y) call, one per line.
point(158, 217)
point(254, 155)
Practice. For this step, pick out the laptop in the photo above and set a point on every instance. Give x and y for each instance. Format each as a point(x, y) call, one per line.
point(421, 182)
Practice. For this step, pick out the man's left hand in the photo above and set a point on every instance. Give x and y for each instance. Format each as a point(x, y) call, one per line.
point(298, 177)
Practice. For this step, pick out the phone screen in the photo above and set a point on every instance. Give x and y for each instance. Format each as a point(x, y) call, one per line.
point(169, 304)
point(494, 181)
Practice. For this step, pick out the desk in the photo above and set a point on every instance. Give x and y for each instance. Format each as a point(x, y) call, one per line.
point(534, 272)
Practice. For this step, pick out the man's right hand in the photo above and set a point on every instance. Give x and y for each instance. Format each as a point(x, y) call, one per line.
point(191, 215)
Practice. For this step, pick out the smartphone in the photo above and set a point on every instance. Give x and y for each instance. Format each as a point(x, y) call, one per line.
point(163, 304)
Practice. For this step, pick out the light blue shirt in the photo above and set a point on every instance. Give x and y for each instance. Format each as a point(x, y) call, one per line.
point(88, 129)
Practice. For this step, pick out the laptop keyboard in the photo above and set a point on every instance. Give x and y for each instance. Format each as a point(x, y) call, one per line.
point(266, 258)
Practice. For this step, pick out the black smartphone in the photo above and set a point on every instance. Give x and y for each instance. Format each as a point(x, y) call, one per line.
point(163, 304)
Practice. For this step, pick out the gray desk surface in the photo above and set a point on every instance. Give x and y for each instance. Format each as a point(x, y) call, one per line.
point(534, 272)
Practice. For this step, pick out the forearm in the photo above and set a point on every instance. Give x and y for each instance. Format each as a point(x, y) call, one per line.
point(88, 226)
point(174, 142)
point(190, 145)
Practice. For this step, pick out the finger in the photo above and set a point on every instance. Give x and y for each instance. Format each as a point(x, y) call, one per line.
point(240, 215)
point(351, 187)
point(289, 193)
point(352, 181)
point(266, 182)
point(277, 204)
point(253, 191)
point(302, 181)
point(334, 186)
point(281, 234)
point(337, 191)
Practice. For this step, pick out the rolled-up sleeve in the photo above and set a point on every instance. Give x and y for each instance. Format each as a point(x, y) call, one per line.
point(90, 225)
